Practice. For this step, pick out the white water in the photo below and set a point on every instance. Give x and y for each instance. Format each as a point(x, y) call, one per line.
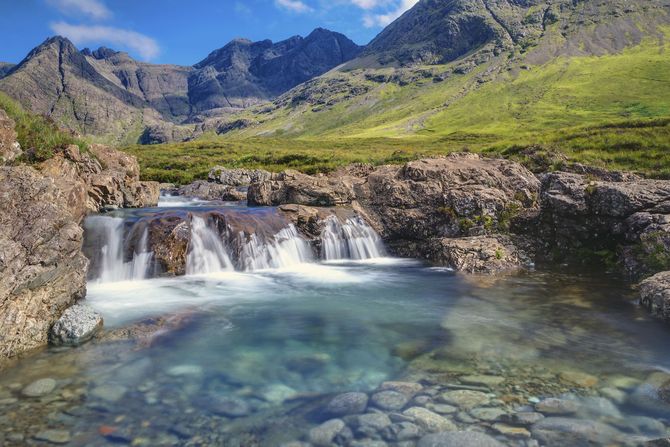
point(113, 267)
point(207, 254)
point(353, 239)
point(285, 250)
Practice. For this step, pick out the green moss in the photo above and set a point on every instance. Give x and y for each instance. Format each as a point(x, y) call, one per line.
point(38, 136)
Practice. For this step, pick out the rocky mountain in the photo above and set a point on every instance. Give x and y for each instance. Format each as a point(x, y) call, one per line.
point(487, 67)
point(4, 68)
point(244, 72)
point(109, 94)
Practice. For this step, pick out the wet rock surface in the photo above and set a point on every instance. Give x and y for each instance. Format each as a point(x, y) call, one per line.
point(237, 177)
point(42, 267)
point(77, 325)
point(655, 294)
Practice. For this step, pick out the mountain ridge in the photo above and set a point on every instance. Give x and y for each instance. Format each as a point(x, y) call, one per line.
point(107, 93)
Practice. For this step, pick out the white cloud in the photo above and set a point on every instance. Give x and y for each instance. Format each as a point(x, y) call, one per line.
point(94, 9)
point(145, 46)
point(381, 20)
point(368, 4)
point(293, 5)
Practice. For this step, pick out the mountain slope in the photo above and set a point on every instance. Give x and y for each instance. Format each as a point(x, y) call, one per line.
point(107, 93)
point(539, 66)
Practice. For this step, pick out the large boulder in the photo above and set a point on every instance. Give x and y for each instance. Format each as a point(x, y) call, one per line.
point(478, 254)
point(625, 214)
point(458, 195)
point(42, 268)
point(237, 177)
point(301, 189)
point(9, 147)
point(655, 294)
point(77, 325)
point(210, 191)
point(118, 183)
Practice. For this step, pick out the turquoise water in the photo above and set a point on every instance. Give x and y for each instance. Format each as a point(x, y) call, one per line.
point(249, 358)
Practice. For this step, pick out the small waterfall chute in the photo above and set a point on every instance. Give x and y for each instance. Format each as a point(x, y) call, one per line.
point(354, 239)
point(111, 258)
point(285, 249)
point(207, 253)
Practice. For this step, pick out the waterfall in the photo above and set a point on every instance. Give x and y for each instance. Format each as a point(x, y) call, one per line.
point(353, 239)
point(285, 249)
point(207, 254)
point(111, 258)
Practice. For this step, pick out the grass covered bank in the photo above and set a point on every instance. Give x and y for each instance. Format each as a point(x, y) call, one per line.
point(641, 146)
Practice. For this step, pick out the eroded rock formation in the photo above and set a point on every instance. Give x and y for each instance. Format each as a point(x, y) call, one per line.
point(42, 267)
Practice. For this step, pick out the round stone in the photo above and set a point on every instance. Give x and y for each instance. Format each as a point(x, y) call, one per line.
point(429, 421)
point(557, 406)
point(39, 388)
point(324, 434)
point(389, 400)
point(465, 398)
point(458, 439)
point(347, 403)
point(53, 436)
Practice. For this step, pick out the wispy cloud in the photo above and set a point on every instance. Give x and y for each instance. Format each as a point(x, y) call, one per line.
point(383, 19)
point(368, 4)
point(95, 9)
point(145, 46)
point(294, 5)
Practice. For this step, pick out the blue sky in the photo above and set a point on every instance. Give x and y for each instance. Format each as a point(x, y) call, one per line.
point(183, 32)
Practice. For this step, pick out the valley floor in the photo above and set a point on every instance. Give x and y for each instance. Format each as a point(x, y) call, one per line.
point(641, 146)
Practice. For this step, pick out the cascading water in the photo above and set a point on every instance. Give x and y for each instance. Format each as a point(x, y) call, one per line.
point(285, 249)
point(207, 254)
point(111, 258)
point(353, 239)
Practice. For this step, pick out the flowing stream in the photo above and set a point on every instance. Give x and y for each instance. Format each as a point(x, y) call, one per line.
point(265, 327)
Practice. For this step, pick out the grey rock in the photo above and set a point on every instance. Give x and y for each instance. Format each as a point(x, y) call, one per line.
point(655, 294)
point(555, 406)
point(409, 389)
point(458, 439)
point(523, 418)
point(389, 400)
point(39, 388)
point(228, 406)
point(109, 392)
point(54, 436)
point(402, 431)
point(347, 403)
point(77, 325)
point(324, 434)
point(487, 414)
point(465, 399)
point(429, 421)
point(574, 432)
point(237, 177)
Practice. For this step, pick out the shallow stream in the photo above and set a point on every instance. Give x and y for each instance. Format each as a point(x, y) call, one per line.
point(250, 351)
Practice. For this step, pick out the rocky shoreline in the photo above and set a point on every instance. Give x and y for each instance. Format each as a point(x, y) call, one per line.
point(42, 266)
point(487, 216)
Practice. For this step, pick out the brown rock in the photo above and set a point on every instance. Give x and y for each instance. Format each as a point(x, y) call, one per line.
point(655, 294)
point(42, 269)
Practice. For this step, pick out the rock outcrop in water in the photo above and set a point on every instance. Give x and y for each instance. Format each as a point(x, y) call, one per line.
point(423, 207)
point(623, 216)
point(42, 266)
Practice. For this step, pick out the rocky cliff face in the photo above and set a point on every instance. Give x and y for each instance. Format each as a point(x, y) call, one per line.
point(440, 31)
point(105, 92)
point(42, 267)
point(244, 73)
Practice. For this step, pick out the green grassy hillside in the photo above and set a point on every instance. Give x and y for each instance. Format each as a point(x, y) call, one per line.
point(611, 110)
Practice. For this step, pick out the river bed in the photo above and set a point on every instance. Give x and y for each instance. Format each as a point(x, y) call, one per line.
point(256, 348)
